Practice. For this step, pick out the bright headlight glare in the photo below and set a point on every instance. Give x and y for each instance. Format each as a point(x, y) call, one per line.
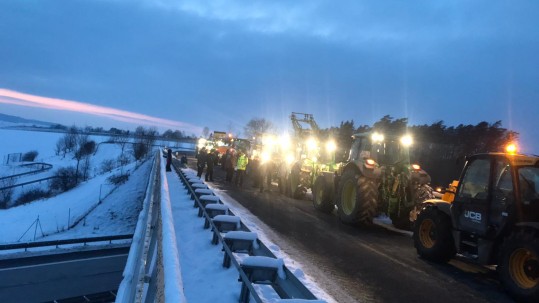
point(406, 140)
point(331, 146)
point(289, 159)
point(311, 144)
point(202, 141)
point(265, 157)
point(377, 137)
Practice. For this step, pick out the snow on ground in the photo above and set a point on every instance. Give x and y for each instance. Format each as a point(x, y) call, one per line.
point(57, 213)
point(204, 278)
point(117, 213)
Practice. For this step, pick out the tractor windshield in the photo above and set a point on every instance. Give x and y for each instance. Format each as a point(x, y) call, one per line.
point(529, 184)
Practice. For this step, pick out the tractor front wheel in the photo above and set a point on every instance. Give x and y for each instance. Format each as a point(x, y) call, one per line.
point(322, 195)
point(519, 265)
point(432, 235)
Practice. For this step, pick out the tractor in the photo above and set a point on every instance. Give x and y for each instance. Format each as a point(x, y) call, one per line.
point(311, 158)
point(493, 219)
point(377, 178)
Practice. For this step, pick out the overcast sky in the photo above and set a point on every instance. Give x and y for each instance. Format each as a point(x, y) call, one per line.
point(221, 63)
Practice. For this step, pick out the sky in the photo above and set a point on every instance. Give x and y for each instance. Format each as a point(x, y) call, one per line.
point(190, 64)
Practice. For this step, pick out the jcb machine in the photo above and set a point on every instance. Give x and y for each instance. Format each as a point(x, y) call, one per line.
point(312, 158)
point(493, 219)
point(377, 178)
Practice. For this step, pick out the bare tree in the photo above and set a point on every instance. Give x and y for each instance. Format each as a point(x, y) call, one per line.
point(257, 126)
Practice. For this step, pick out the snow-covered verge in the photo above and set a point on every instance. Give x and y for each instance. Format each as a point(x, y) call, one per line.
point(58, 213)
point(203, 276)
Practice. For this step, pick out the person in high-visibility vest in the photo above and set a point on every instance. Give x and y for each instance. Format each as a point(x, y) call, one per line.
point(241, 165)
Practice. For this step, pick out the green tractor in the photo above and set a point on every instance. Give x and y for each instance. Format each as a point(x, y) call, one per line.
point(309, 157)
point(377, 178)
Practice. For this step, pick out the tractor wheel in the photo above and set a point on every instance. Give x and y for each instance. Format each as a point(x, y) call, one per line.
point(404, 218)
point(518, 265)
point(322, 196)
point(356, 199)
point(294, 189)
point(432, 235)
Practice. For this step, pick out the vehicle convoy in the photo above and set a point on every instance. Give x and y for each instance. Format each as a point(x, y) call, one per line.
point(377, 178)
point(493, 219)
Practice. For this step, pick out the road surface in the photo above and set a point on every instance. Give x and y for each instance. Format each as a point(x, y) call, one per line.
point(359, 264)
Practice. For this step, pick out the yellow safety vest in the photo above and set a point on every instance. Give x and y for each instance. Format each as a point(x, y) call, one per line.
point(242, 162)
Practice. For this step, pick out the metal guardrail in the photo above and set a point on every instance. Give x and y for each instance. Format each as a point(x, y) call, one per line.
point(140, 265)
point(63, 242)
point(45, 167)
point(288, 288)
point(29, 182)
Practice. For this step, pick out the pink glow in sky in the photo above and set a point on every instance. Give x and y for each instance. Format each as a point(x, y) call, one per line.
point(22, 99)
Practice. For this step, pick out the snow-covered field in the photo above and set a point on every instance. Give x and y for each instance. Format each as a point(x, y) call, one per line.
point(61, 212)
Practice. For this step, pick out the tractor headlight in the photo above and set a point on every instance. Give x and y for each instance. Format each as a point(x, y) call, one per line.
point(311, 144)
point(331, 146)
point(377, 137)
point(265, 157)
point(406, 140)
point(416, 166)
point(289, 159)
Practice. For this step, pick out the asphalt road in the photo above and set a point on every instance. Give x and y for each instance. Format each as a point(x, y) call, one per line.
point(360, 264)
point(58, 276)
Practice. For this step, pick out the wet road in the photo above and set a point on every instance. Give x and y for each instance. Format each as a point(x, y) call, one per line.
point(358, 264)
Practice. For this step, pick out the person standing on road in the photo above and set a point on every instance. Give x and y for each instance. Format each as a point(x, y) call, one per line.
point(241, 165)
point(210, 160)
point(230, 165)
point(183, 161)
point(169, 159)
point(201, 161)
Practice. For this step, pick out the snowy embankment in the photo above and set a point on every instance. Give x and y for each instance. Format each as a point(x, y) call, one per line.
point(202, 273)
point(58, 213)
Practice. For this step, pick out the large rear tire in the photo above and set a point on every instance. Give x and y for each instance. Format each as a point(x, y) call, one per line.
point(432, 235)
point(356, 199)
point(322, 195)
point(519, 265)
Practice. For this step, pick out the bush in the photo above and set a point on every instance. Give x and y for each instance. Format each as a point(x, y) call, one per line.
point(30, 156)
point(32, 195)
point(118, 179)
point(66, 179)
point(140, 150)
point(107, 166)
point(6, 194)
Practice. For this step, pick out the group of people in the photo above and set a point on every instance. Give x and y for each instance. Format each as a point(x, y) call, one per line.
point(183, 160)
point(233, 162)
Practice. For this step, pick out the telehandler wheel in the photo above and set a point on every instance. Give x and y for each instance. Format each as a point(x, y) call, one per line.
point(518, 265)
point(432, 235)
point(357, 198)
point(322, 196)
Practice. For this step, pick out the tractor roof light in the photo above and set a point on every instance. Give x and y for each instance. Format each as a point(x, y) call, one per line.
point(284, 142)
point(202, 141)
point(331, 146)
point(416, 166)
point(407, 140)
point(511, 148)
point(377, 137)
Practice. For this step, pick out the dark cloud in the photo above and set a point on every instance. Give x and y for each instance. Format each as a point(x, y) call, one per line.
point(217, 63)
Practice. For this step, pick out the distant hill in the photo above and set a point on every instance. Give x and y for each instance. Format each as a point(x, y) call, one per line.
point(19, 120)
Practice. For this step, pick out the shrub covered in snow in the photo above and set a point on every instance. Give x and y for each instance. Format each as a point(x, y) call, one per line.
point(31, 195)
point(30, 156)
point(66, 179)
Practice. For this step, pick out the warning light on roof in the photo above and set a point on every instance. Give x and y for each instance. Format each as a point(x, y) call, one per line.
point(511, 148)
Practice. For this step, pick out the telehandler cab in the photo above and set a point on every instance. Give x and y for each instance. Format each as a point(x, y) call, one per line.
point(493, 220)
